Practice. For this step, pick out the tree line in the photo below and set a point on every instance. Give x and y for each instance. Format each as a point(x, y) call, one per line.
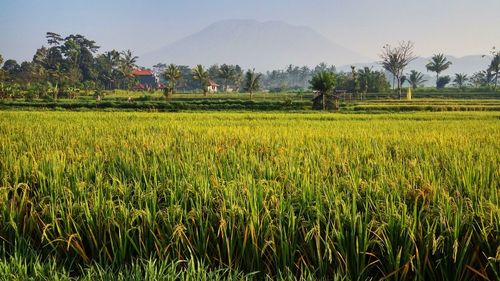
point(395, 59)
point(71, 65)
point(68, 65)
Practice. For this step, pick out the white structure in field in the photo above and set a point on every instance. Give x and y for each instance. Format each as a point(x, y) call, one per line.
point(212, 87)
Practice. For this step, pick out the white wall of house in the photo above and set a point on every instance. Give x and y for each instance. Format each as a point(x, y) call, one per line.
point(212, 89)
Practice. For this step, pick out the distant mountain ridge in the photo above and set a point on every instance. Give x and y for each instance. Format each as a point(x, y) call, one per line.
point(252, 44)
point(274, 45)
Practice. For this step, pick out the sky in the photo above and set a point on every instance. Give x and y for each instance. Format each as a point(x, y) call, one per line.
point(454, 27)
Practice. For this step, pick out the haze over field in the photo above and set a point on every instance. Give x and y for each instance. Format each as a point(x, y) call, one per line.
point(273, 34)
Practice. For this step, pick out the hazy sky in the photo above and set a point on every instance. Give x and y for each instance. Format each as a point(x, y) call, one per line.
point(455, 27)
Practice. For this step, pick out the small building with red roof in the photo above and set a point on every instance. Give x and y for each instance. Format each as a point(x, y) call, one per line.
point(146, 79)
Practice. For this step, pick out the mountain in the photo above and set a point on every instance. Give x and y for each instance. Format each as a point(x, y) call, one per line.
point(252, 44)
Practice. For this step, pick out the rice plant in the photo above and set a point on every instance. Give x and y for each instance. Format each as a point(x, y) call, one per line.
point(249, 196)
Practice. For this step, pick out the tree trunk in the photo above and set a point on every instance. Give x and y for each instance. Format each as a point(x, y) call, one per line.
point(324, 101)
point(496, 82)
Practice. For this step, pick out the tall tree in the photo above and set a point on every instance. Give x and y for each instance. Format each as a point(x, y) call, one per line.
point(460, 80)
point(71, 51)
point(238, 76)
point(159, 67)
point(416, 78)
point(438, 64)
point(252, 82)
point(172, 74)
point(355, 80)
point(127, 65)
point(11, 67)
point(2, 72)
point(53, 39)
point(365, 77)
point(201, 75)
point(324, 83)
point(107, 66)
point(396, 59)
point(226, 73)
point(482, 78)
point(495, 66)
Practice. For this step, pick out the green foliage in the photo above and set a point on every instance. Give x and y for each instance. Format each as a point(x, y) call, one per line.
point(228, 74)
point(461, 80)
point(494, 67)
point(201, 75)
point(442, 82)
point(482, 78)
point(371, 81)
point(416, 79)
point(172, 75)
point(252, 82)
point(438, 64)
point(323, 82)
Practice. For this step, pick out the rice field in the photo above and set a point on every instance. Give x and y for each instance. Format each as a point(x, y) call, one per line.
point(212, 195)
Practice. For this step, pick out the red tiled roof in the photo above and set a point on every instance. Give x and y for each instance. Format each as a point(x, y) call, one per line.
point(212, 83)
point(140, 72)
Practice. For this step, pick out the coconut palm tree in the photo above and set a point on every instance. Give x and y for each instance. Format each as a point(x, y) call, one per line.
point(252, 82)
point(127, 65)
point(495, 66)
point(226, 73)
point(323, 82)
point(200, 74)
point(460, 80)
point(172, 74)
point(415, 78)
point(438, 64)
point(128, 59)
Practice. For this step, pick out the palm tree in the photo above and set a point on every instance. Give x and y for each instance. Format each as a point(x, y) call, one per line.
point(323, 82)
point(461, 80)
point(415, 79)
point(108, 65)
point(495, 66)
point(438, 64)
point(252, 82)
point(127, 65)
point(226, 72)
point(365, 78)
point(200, 74)
point(172, 74)
point(129, 60)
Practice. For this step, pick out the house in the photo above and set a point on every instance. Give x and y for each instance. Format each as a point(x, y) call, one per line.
point(212, 87)
point(147, 79)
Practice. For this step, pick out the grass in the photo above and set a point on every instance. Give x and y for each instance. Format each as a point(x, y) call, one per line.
point(98, 195)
